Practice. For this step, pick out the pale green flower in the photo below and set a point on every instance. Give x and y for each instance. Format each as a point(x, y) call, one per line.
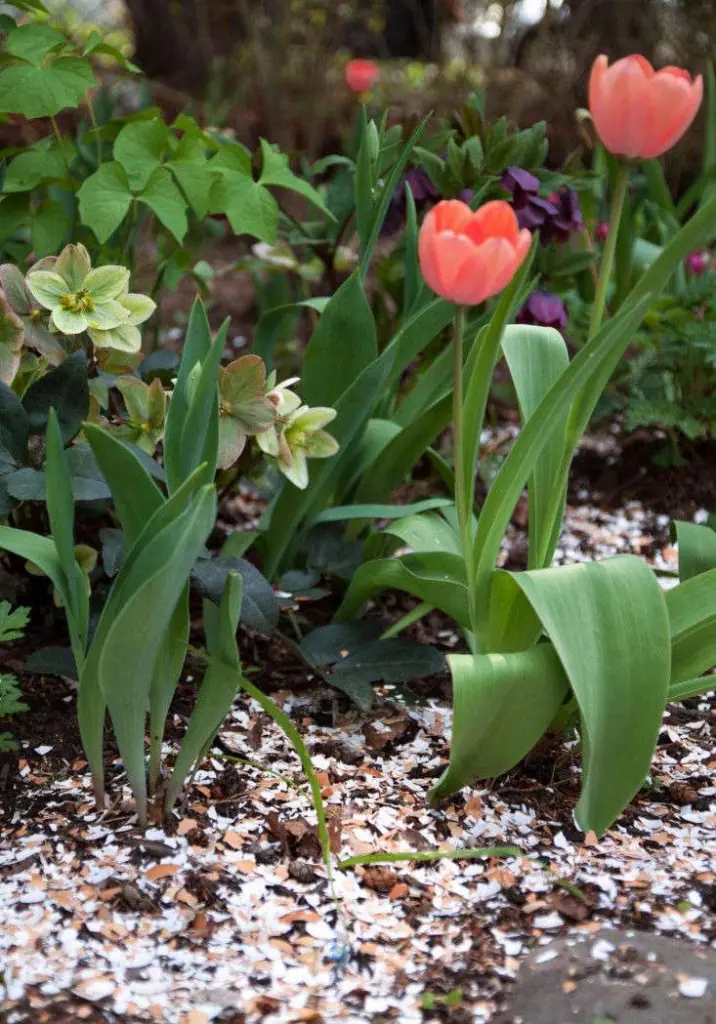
point(244, 409)
point(126, 337)
point(146, 406)
point(303, 438)
point(77, 296)
point(286, 402)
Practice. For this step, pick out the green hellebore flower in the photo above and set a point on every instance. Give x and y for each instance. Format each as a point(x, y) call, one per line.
point(244, 409)
point(126, 337)
point(77, 296)
point(304, 439)
point(146, 412)
point(286, 403)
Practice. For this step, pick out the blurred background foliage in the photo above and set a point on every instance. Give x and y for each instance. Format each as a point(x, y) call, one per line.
point(273, 67)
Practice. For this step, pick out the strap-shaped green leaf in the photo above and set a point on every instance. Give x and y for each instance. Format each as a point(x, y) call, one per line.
point(609, 626)
point(61, 513)
point(344, 342)
point(538, 430)
point(435, 577)
point(692, 615)
point(167, 671)
point(197, 343)
point(502, 706)
point(219, 685)
point(697, 548)
point(136, 497)
point(129, 651)
point(40, 550)
point(537, 357)
point(200, 431)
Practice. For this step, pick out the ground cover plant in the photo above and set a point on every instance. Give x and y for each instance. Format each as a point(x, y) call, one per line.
point(467, 232)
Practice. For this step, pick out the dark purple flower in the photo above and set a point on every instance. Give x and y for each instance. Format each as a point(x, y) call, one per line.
point(535, 214)
point(568, 217)
point(544, 309)
point(601, 231)
point(423, 192)
point(520, 184)
point(466, 195)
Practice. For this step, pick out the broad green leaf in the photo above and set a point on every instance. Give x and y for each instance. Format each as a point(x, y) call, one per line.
point(33, 41)
point(697, 548)
point(609, 626)
point(44, 91)
point(33, 168)
point(85, 479)
point(65, 389)
point(342, 345)
point(163, 197)
point(195, 180)
point(136, 496)
point(692, 615)
point(537, 357)
point(276, 171)
point(218, 688)
point(14, 213)
point(167, 672)
point(502, 706)
point(139, 148)
point(131, 646)
point(260, 609)
point(104, 199)
point(435, 577)
point(389, 661)
point(14, 427)
point(328, 644)
point(249, 206)
point(51, 225)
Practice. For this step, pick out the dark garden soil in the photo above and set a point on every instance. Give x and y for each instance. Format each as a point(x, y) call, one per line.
point(225, 913)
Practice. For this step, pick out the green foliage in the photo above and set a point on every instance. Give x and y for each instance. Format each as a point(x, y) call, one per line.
point(12, 627)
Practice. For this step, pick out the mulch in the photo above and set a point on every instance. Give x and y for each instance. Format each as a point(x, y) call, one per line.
point(226, 914)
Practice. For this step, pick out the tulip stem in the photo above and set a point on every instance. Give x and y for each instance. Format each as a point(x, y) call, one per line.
point(610, 248)
point(463, 500)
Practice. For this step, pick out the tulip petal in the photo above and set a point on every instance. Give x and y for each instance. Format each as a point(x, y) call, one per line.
point(495, 219)
point(679, 100)
point(450, 215)
point(480, 279)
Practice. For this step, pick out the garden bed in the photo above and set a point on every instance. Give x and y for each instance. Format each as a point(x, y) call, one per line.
point(228, 915)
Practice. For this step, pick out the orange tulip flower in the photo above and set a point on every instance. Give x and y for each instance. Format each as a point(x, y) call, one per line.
point(639, 112)
point(467, 256)
point(361, 75)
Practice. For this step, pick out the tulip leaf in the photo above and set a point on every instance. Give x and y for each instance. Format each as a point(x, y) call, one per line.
point(502, 706)
point(219, 686)
point(618, 669)
point(697, 548)
point(346, 321)
point(692, 615)
point(435, 577)
point(537, 357)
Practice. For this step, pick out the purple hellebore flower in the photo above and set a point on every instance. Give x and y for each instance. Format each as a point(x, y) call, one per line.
point(543, 309)
point(423, 192)
point(532, 210)
point(567, 219)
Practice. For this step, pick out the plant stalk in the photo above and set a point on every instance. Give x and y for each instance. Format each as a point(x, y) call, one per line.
point(610, 248)
point(463, 499)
